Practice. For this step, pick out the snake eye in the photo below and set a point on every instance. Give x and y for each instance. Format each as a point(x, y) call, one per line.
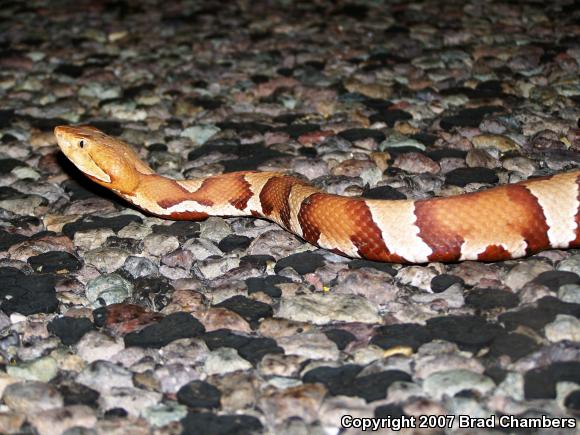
point(82, 143)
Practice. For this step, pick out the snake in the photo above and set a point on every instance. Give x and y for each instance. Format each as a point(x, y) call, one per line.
point(495, 224)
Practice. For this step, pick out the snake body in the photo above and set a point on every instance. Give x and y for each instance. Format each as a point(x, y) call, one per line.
point(499, 223)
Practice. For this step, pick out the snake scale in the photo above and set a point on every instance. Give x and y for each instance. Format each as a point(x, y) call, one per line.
point(499, 223)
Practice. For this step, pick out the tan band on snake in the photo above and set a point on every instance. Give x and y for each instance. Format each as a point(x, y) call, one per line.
point(504, 222)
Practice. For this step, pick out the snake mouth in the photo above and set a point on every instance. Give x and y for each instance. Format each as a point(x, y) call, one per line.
point(68, 141)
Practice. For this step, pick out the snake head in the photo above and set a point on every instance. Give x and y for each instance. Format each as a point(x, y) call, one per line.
point(104, 159)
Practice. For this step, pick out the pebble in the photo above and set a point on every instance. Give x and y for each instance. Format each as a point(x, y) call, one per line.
point(108, 289)
point(200, 134)
point(322, 309)
point(570, 293)
point(451, 382)
point(523, 273)
point(42, 369)
point(417, 276)
point(376, 286)
point(416, 163)
point(312, 345)
point(95, 346)
point(437, 110)
point(30, 397)
point(499, 142)
point(102, 376)
point(302, 401)
point(130, 399)
point(214, 229)
point(158, 245)
point(564, 327)
point(225, 360)
point(60, 420)
point(164, 414)
point(140, 266)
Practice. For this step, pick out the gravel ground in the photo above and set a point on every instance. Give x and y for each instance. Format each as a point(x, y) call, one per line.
point(115, 322)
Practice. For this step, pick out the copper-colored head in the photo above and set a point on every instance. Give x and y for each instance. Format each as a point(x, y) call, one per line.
point(104, 159)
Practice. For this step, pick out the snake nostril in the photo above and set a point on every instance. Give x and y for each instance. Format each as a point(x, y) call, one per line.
point(82, 143)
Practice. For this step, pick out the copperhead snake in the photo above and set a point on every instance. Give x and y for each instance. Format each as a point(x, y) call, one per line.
point(499, 223)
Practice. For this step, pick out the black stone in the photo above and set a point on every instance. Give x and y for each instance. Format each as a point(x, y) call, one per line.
point(6, 165)
point(403, 334)
point(29, 294)
point(463, 176)
point(389, 117)
point(249, 348)
point(344, 381)
point(260, 262)
point(8, 239)
point(356, 11)
point(302, 263)
point(374, 386)
point(74, 393)
point(132, 92)
point(70, 329)
point(234, 242)
point(245, 127)
point(112, 128)
point(572, 402)
point(537, 317)
point(183, 230)
point(249, 309)
point(468, 332)
point(55, 261)
point(134, 246)
point(7, 192)
point(340, 337)
point(115, 413)
point(469, 117)
point(383, 192)
point(497, 374)
point(205, 423)
point(307, 151)
point(69, 70)
point(513, 345)
point(356, 134)
point(157, 147)
point(391, 410)
point(334, 378)
point(151, 284)
point(440, 283)
point(199, 394)
point(224, 338)
point(488, 298)
point(248, 156)
point(255, 349)
point(554, 279)
point(297, 130)
point(170, 328)
point(383, 267)
point(540, 383)
point(94, 222)
point(259, 78)
point(6, 117)
point(443, 153)
point(377, 104)
point(100, 316)
point(267, 285)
